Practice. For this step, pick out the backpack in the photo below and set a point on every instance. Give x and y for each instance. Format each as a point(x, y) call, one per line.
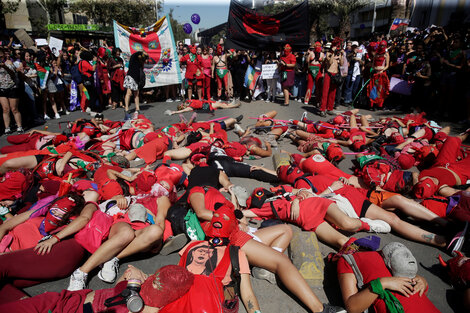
point(76, 75)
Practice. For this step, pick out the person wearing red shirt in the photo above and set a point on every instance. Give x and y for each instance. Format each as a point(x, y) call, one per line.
point(193, 72)
point(205, 59)
point(287, 67)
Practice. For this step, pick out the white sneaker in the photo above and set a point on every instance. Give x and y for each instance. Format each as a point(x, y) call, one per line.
point(77, 280)
point(88, 110)
point(237, 129)
point(267, 101)
point(169, 100)
point(109, 271)
point(377, 226)
point(261, 273)
point(57, 116)
point(67, 112)
point(46, 117)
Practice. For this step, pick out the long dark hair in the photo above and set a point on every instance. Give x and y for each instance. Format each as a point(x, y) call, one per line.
point(210, 264)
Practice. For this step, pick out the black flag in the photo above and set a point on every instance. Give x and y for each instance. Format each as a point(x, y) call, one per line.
point(250, 30)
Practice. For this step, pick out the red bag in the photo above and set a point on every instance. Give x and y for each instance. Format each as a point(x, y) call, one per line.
point(92, 235)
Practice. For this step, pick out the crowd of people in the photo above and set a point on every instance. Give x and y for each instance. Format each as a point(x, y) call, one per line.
point(106, 190)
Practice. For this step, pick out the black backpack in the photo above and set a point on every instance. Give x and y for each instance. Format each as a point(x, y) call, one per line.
point(76, 75)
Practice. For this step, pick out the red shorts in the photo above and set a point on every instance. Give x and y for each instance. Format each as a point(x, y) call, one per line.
point(198, 82)
point(152, 150)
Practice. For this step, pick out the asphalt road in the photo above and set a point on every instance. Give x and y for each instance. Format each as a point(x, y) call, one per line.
point(272, 298)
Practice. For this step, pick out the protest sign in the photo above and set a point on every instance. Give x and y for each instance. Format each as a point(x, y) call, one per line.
point(24, 38)
point(56, 45)
point(269, 71)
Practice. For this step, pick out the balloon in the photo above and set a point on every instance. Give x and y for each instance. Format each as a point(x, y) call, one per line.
point(187, 28)
point(195, 18)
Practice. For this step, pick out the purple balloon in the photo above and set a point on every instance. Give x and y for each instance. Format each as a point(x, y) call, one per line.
point(187, 28)
point(195, 18)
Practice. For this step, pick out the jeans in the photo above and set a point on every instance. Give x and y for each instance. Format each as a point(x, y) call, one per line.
point(298, 91)
point(351, 88)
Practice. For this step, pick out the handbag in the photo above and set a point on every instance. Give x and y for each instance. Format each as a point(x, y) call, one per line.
point(193, 227)
point(92, 235)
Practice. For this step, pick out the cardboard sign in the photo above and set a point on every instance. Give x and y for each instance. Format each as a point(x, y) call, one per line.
point(187, 41)
point(56, 45)
point(24, 38)
point(269, 71)
point(41, 42)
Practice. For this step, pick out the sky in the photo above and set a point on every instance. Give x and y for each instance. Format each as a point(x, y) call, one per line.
point(212, 12)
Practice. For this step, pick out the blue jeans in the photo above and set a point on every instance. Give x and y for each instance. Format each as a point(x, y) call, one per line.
point(351, 88)
point(298, 90)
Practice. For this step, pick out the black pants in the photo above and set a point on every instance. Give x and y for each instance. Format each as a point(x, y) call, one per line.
point(239, 169)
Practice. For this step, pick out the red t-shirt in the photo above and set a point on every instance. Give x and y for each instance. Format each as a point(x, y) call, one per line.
point(372, 266)
point(85, 68)
point(101, 174)
point(322, 182)
point(317, 164)
point(289, 59)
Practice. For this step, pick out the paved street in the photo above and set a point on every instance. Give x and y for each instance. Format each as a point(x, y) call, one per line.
point(271, 297)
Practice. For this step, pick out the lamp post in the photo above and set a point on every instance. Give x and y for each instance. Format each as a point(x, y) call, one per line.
point(374, 16)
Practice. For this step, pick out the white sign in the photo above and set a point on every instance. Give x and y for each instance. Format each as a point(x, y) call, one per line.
point(41, 42)
point(187, 41)
point(56, 45)
point(269, 71)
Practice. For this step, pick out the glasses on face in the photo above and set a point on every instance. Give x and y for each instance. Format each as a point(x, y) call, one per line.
point(409, 43)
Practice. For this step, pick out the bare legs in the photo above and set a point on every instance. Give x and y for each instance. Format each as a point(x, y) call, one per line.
point(10, 104)
point(127, 99)
point(278, 236)
point(263, 256)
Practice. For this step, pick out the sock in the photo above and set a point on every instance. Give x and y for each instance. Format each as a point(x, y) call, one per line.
point(166, 158)
point(364, 226)
point(277, 249)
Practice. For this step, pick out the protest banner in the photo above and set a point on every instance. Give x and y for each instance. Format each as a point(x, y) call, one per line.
point(24, 38)
point(158, 42)
point(56, 45)
point(269, 71)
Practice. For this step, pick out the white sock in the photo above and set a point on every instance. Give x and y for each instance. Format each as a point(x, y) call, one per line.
point(278, 249)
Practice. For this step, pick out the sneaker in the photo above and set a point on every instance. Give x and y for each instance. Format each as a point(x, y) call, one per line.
point(67, 112)
point(322, 114)
point(20, 130)
point(174, 244)
point(169, 100)
point(303, 118)
point(377, 226)
point(57, 116)
point(299, 100)
point(238, 129)
point(88, 110)
point(77, 280)
point(457, 242)
point(267, 101)
point(261, 273)
point(109, 271)
point(8, 131)
point(328, 308)
point(46, 117)
point(239, 118)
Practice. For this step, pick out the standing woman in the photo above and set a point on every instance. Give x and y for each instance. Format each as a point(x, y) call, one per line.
point(9, 92)
point(116, 73)
point(206, 62)
point(332, 61)
point(135, 79)
point(314, 61)
point(87, 67)
point(103, 76)
point(288, 62)
point(193, 72)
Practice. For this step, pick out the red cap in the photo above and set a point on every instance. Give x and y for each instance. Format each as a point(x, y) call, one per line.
point(111, 189)
point(338, 120)
point(396, 138)
point(144, 181)
point(334, 152)
point(406, 161)
point(167, 285)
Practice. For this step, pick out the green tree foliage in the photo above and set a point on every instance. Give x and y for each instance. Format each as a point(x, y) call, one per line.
point(343, 9)
point(136, 13)
point(177, 28)
point(52, 8)
point(9, 6)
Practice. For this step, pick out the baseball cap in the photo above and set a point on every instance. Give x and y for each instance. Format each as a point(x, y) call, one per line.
point(241, 194)
point(137, 213)
point(355, 43)
point(400, 260)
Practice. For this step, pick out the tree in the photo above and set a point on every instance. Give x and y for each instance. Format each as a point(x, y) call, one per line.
point(7, 7)
point(343, 9)
point(136, 13)
point(52, 9)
